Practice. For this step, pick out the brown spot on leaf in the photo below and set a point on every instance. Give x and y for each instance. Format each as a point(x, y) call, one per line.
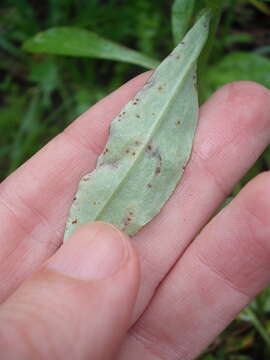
point(158, 170)
point(178, 122)
point(127, 151)
point(137, 116)
point(74, 198)
point(113, 163)
point(178, 57)
point(94, 203)
point(74, 221)
point(126, 221)
point(149, 186)
point(133, 154)
point(137, 142)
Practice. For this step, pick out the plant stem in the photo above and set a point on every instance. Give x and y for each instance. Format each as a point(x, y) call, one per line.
point(258, 326)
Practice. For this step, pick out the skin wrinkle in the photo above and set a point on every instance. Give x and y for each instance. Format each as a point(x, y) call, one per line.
point(221, 276)
point(259, 244)
point(153, 345)
point(224, 191)
point(34, 213)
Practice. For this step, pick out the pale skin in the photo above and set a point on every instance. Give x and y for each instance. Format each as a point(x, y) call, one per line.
point(168, 292)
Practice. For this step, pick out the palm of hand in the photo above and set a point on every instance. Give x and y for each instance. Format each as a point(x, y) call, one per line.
point(192, 285)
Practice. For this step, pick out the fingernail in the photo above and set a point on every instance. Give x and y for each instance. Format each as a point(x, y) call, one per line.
point(94, 252)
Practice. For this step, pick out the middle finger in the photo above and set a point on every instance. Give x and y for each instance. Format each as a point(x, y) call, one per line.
point(233, 131)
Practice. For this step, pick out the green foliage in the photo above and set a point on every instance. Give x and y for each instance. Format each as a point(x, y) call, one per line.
point(182, 11)
point(237, 66)
point(41, 93)
point(79, 42)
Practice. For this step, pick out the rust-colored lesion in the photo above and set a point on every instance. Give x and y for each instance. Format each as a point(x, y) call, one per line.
point(158, 170)
point(154, 153)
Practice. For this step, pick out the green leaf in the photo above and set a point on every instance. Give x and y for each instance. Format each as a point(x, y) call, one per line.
point(80, 42)
point(149, 145)
point(260, 6)
point(238, 66)
point(182, 11)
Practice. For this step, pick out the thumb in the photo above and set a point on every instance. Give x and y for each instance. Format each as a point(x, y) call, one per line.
point(78, 306)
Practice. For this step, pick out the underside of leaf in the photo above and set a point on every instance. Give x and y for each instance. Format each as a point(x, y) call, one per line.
point(149, 145)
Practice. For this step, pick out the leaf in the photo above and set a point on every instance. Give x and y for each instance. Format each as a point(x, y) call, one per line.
point(237, 66)
point(73, 41)
point(149, 145)
point(260, 6)
point(182, 11)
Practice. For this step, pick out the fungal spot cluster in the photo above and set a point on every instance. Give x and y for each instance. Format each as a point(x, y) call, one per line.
point(154, 153)
point(120, 116)
point(135, 101)
point(114, 163)
point(158, 170)
point(149, 83)
point(86, 178)
point(127, 219)
point(131, 152)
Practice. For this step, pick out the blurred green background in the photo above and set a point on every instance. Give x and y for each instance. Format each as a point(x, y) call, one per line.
point(42, 93)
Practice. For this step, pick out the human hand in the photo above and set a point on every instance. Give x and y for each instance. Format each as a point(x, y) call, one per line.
point(75, 304)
